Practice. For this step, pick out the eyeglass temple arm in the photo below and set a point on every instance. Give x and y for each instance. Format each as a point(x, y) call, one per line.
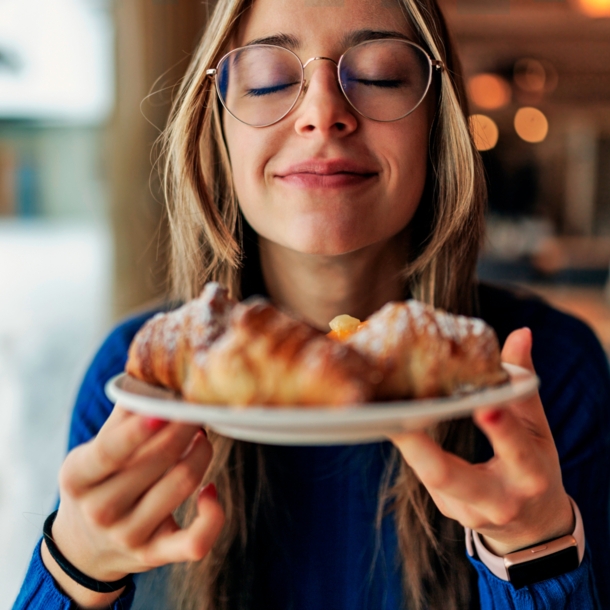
point(211, 72)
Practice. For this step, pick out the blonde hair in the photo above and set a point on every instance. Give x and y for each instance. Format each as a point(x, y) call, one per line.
point(206, 244)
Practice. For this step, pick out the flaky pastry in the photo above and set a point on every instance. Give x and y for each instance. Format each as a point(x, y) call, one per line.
point(266, 357)
point(425, 352)
point(162, 350)
point(215, 351)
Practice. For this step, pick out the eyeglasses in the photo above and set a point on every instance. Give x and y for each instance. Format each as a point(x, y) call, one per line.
point(383, 80)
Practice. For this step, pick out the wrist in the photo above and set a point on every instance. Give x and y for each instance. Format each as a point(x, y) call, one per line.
point(71, 547)
point(537, 562)
point(85, 598)
point(561, 525)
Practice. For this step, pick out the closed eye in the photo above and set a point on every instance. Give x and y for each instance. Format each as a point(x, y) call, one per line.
point(262, 91)
point(385, 83)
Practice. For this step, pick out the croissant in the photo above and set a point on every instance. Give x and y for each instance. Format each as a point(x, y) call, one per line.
point(214, 351)
point(424, 352)
point(162, 350)
point(266, 357)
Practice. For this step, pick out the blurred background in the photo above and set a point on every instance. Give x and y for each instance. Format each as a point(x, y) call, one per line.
point(85, 87)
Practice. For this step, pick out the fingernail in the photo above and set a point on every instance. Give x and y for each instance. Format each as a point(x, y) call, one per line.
point(153, 423)
point(493, 417)
point(210, 491)
point(529, 331)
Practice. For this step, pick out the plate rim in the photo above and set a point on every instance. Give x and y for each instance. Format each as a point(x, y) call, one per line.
point(522, 384)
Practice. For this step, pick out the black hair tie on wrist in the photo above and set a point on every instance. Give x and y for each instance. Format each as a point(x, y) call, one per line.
point(82, 579)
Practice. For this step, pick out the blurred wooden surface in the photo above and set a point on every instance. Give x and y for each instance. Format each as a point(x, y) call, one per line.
point(154, 42)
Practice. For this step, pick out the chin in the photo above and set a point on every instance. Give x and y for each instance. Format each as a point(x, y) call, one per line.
point(326, 245)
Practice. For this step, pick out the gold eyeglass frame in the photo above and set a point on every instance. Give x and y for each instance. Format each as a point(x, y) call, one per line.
point(434, 64)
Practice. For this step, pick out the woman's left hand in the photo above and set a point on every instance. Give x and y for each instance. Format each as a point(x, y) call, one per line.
point(517, 498)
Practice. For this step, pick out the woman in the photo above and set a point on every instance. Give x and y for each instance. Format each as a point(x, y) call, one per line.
point(353, 195)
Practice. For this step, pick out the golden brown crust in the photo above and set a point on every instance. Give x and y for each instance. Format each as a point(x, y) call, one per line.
point(161, 351)
point(216, 352)
point(424, 352)
point(269, 358)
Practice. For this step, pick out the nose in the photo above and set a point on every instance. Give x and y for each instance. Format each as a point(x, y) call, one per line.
point(323, 109)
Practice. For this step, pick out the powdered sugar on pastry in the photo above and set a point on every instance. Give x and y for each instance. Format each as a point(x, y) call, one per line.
point(216, 351)
point(162, 349)
point(425, 352)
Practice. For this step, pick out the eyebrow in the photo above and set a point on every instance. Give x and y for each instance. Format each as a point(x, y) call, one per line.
point(279, 40)
point(354, 38)
point(349, 40)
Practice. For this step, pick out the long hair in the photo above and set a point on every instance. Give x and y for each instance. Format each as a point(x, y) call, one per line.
point(207, 244)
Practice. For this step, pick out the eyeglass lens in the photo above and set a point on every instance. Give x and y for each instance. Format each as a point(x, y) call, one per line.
point(383, 80)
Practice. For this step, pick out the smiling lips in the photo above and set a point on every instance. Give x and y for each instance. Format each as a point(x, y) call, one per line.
point(326, 173)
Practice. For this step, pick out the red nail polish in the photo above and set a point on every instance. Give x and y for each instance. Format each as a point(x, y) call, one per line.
point(153, 423)
point(494, 417)
point(210, 491)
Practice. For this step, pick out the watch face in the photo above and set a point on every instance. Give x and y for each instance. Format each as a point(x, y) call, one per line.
point(535, 570)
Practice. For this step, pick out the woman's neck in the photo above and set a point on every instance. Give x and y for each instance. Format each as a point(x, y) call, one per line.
point(318, 288)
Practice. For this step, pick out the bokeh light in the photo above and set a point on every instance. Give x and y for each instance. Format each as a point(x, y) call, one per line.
point(535, 76)
point(489, 91)
point(530, 75)
point(531, 125)
point(484, 131)
point(594, 8)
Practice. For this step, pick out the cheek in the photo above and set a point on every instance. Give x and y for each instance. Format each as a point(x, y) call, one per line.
point(406, 156)
point(240, 146)
point(249, 150)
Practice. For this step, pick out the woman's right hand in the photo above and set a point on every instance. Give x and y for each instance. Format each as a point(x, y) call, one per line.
point(117, 495)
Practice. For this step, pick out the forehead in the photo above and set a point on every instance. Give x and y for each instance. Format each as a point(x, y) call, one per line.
point(331, 28)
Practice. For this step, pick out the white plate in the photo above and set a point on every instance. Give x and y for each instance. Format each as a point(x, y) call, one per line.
point(367, 423)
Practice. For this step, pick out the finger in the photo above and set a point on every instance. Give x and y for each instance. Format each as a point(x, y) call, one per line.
point(117, 416)
point(170, 492)
point(521, 450)
point(517, 350)
point(193, 543)
point(110, 500)
point(444, 472)
point(114, 445)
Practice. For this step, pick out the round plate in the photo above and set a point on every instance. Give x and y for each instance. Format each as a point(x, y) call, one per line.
point(331, 425)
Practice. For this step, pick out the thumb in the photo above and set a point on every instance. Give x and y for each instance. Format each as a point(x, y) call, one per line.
point(518, 349)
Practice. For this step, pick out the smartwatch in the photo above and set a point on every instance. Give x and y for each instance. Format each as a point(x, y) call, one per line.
point(533, 564)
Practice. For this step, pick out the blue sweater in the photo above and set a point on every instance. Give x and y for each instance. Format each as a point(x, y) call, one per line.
point(324, 551)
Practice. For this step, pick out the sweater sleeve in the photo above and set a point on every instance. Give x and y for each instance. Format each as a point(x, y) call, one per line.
point(39, 590)
point(572, 591)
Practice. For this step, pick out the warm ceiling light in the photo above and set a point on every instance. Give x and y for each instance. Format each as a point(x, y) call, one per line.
point(489, 91)
point(484, 131)
point(594, 8)
point(531, 125)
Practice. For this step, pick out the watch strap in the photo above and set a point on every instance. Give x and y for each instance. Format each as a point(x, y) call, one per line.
point(497, 566)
